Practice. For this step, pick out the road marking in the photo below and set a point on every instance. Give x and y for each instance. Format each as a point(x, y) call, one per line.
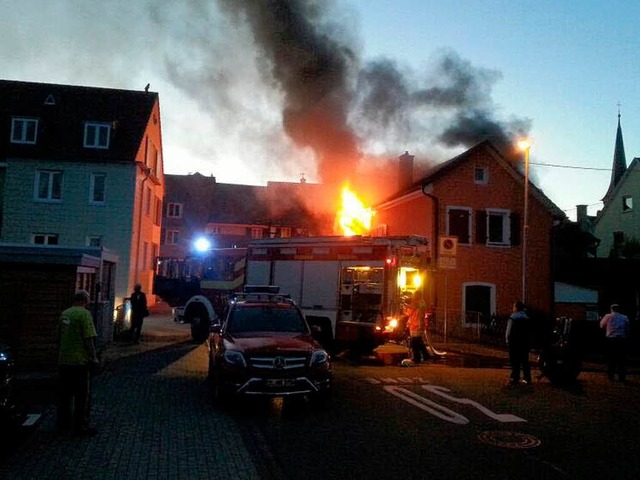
point(31, 419)
point(501, 417)
point(395, 381)
point(443, 412)
point(427, 405)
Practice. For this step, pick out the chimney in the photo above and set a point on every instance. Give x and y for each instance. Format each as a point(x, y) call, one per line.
point(582, 213)
point(405, 171)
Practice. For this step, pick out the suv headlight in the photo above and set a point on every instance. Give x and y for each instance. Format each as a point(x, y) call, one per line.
point(319, 357)
point(234, 357)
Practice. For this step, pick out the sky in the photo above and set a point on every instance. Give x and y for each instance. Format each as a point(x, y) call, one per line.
point(252, 92)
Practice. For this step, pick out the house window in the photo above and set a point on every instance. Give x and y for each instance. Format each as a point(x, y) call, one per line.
point(459, 224)
point(97, 189)
point(479, 300)
point(94, 241)
point(627, 203)
point(172, 237)
point(214, 230)
point(24, 130)
point(145, 253)
point(152, 156)
point(44, 238)
point(174, 210)
point(285, 232)
point(480, 176)
point(157, 213)
point(256, 232)
point(148, 195)
point(96, 135)
point(48, 185)
point(498, 227)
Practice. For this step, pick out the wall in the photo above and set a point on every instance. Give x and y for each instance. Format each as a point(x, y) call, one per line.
point(74, 218)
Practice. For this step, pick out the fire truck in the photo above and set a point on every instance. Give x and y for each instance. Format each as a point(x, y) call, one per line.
point(199, 285)
point(353, 289)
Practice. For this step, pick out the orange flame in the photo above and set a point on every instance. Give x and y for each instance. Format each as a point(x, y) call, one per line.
point(353, 218)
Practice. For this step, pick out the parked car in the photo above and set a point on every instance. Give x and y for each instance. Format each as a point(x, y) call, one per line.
point(265, 347)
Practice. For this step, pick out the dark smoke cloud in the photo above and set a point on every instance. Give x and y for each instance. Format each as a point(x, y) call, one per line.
point(312, 68)
point(336, 107)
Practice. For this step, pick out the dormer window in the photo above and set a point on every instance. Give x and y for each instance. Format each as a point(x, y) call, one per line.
point(96, 135)
point(24, 130)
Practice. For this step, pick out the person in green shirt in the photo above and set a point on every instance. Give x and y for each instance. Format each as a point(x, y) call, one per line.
point(76, 354)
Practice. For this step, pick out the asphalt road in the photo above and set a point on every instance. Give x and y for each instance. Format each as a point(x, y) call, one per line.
point(429, 421)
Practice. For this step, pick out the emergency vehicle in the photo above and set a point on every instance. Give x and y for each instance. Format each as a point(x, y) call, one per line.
point(354, 288)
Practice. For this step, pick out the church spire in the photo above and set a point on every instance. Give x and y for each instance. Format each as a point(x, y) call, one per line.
point(619, 162)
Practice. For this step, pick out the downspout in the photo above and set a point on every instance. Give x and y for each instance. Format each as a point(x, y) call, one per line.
point(146, 170)
point(436, 217)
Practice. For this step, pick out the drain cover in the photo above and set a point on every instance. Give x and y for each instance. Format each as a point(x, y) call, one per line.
point(508, 439)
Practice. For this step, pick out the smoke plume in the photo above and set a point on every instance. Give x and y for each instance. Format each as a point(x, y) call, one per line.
point(336, 106)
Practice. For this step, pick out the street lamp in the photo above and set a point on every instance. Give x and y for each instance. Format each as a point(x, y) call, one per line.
point(525, 146)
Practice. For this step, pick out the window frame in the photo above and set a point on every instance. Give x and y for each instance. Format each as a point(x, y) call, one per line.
point(47, 237)
point(505, 214)
point(172, 237)
point(469, 211)
point(49, 198)
point(485, 175)
point(95, 142)
point(92, 189)
point(171, 210)
point(492, 301)
point(257, 232)
point(627, 203)
point(25, 121)
point(90, 238)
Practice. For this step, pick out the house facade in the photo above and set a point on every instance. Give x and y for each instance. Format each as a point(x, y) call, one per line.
point(619, 222)
point(82, 166)
point(471, 209)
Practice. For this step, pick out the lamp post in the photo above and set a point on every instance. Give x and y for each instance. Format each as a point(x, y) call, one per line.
point(525, 146)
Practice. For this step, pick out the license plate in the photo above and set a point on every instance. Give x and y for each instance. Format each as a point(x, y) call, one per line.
point(280, 382)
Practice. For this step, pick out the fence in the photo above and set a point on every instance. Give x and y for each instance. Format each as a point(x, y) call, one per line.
point(457, 325)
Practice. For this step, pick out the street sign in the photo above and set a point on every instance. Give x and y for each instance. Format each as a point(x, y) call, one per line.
point(447, 263)
point(448, 246)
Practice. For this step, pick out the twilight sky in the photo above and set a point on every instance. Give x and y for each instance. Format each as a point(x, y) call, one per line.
point(328, 87)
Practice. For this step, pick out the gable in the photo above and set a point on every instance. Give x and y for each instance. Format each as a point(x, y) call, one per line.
point(62, 112)
point(503, 180)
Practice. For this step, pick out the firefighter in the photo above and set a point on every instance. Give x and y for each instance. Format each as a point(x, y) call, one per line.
point(415, 322)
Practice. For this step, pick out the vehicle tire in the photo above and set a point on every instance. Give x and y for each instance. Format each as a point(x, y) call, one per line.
point(199, 321)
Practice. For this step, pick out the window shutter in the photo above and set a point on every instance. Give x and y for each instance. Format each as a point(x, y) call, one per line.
point(481, 227)
point(515, 229)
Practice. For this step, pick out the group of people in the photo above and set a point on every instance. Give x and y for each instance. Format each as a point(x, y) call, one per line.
point(518, 337)
point(77, 357)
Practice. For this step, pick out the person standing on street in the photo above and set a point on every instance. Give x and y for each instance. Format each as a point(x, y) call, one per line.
point(138, 312)
point(415, 315)
point(616, 327)
point(76, 355)
point(518, 338)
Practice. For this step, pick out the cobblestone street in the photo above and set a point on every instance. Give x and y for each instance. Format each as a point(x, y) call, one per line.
point(154, 422)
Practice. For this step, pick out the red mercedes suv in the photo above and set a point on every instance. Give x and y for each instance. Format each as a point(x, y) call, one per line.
point(264, 346)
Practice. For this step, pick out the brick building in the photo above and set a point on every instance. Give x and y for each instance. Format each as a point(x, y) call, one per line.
point(476, 199)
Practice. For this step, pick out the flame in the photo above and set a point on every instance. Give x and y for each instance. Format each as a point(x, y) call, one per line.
point(353, 218)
